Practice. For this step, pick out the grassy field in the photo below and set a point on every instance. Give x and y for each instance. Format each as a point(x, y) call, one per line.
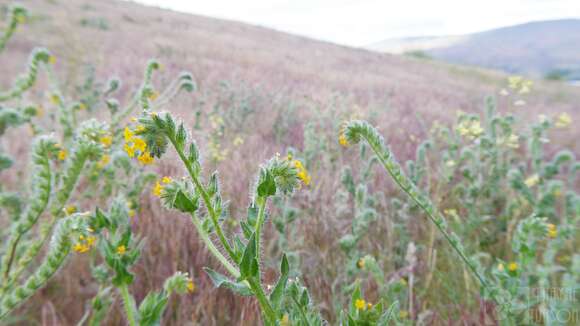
point(260, 92)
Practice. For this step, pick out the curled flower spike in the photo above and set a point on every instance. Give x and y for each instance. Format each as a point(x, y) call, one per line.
point(341, 136)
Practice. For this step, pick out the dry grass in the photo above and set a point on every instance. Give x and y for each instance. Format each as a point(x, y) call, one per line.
point(272, 72)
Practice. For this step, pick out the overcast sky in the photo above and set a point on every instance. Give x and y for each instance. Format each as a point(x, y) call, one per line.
point(361, 22)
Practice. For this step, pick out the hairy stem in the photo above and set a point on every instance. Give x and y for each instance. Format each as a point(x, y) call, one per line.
point(129, 304)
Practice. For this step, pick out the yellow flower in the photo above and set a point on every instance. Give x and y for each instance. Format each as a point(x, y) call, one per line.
point(55, 99)
point(514, 81)
point(121, 250)
point(133, 119)
point(91, 241)
point(146, 158)
point(131, 212)
point(238, 141)
point(157, 189)
point(360, 263)
point(52, 60)
point(285, 321)
point(471, 129)
point(190, 285)
point(21, 19)
point(130, 149)
point(342, 140)
point(512, 267)
point(80, 248)
point(139, 144)
point(563, 120)
point(106, 140)
point(360, 304)
point(70, 209)
point(82, 106)
point(62, 154)
point(369, 306)
point(302, 173)
point(403, 314)
point(153, 95)
point(166, 180)
point(552, 231)
point(103, 161)
point(532, 180)
point(500, 267)
point(128, 134)
point(140, 128)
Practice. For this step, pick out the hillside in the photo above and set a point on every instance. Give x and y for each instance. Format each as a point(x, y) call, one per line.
point(261, 92)
point(536, 49)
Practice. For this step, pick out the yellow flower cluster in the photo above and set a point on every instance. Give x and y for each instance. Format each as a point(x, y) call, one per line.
point(84, 244)
point(552, 231)
point(136, 146)
point(470, 128)
point(532, 180)
point(521, 85)
point(563, 120)
point(302, 172)
point(158, 188)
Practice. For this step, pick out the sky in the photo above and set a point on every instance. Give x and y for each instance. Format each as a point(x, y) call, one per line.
point(363, 22)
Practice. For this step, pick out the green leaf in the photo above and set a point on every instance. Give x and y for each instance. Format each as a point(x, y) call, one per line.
point(276, 295)
point(184, 203)
point(388, 315)
point(248, 264)
point(268, 186)
point(220, 280)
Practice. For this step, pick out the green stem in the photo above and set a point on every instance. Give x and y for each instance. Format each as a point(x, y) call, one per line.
point(212, 248)
point(206, 199)
point(259, 222)
point(269, 314)
point(129, 305)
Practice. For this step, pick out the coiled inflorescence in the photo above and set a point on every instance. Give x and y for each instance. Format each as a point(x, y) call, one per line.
point(17, 16)
point(27, 80)
point(355, 131)
point(58, 250)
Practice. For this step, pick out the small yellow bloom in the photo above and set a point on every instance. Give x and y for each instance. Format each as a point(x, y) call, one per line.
point(62, 154)
point(52, 60)
point(130, 149)
point(153, 95)
point(70, 209)
point(532, 180)
point(166, 180)
point(369, 306)
point(500, 267)
point(133, 119)
point(128, 134)
point(285, 321)
point(103, 161)
point(131, 212)
point(302, 173)
point(512, 267)
point(563, 120)
point(190, 286)
point(403, 314)
point(55, 99)
point(360, 263)
point(238, 141)
point(106, 140)
point(140, 128)
point(91, 241)
point(342, 140)
point(157, 189)
point(121, 250)
point(80, 248)
point(360, 304)
point(139, 144)
point(552, 231)
point(146, 158)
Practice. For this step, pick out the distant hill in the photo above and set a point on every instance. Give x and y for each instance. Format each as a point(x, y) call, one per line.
point(540, 49)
